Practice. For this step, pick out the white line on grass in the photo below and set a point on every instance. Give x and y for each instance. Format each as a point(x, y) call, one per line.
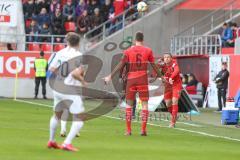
point(151, 124)
point(35, 103)
point(189, 124)
point(185, 130)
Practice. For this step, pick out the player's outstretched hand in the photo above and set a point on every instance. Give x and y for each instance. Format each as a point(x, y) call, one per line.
point(107, 79)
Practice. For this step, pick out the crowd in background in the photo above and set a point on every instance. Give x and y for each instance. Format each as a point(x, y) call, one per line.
point(190, 83)
point(47, 17)
point(229, 32)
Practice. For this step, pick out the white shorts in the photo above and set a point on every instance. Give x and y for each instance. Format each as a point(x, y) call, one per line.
point(71, 102)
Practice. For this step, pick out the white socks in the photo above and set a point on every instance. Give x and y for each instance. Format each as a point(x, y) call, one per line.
point(53, 126)
point(63, 126)
point(75, 128)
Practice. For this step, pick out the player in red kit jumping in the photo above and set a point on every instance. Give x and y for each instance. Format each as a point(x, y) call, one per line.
point(136, 58)
point(173, 86)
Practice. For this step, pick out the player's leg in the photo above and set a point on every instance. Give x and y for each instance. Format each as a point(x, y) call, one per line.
point(144, 116)
point(130, 97)
point(168, 98)
point(175, 98)
point(53, 127)
point(75, 109)
point(37, 82)
point(128, 115)
point(55, 119)
point(77, 124)
point(64, 119)
point(144, 96)
point(174, 112)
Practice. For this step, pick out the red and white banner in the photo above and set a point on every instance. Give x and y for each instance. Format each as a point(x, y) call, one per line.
point(18, 63)
point(8, 13)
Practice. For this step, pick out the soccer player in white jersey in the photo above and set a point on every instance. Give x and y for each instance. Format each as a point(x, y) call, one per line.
point(76, 107)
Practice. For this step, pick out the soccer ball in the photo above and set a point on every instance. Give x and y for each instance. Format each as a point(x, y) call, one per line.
point(142, 7)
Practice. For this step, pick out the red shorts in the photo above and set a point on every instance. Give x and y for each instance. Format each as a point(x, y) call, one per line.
point(139, 85)
point(172, 91)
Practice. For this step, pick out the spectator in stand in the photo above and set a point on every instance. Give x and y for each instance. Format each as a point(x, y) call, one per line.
point(96, 20)
point(221, 29)
point(75, 3)
point(226, 34)
point(69, 11)
point(101, 2)
point(192, 84)
point(45, 30)
point(58, 30)
point(106, 9)
point(119, 7)
point(83, 23)
point(29, 9)
point(40, 4)
point(43, 17)
point(58, 25)
point(33, 31)
point(184, 80)
point(235, 31)
point(92, 6)
point(57, 18)
point(55, 4)
point(81, 6)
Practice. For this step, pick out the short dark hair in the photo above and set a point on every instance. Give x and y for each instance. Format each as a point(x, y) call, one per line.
point(42, 53)
point(73, 39)
point(168, 54)
point(139, 36)
point(224, 63)
point(234, 24)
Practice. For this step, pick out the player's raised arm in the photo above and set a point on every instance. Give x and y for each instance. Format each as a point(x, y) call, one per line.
point(155, 67)
point(119, 66)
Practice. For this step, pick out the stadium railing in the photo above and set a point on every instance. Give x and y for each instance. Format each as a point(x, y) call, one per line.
point(36, 44)
point(121, 21)
point(196, 45)
point(214, 20)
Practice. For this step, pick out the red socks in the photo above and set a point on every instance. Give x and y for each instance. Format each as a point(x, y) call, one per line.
point(169, 109)
point(174, 113)
point(128, 119)
point(144, 120)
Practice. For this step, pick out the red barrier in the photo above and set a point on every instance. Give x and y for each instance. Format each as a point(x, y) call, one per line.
point(25, 61)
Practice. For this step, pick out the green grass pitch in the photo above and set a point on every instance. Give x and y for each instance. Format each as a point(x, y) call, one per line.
point(24, 135)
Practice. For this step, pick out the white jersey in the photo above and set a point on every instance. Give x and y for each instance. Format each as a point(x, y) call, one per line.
point(63, 56)
point(76, 106)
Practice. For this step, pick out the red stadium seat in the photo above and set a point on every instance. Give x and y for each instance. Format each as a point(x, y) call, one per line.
point(33, 47)
point(63, 2)
point(46, 47)
point(70, 26)
point(58, 47)
point(28, 22)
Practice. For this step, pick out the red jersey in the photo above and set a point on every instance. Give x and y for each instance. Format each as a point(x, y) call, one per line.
point(172, 71)
point(137, 59)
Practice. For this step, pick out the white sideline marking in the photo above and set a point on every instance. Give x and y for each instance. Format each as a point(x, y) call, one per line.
point(187, 130)
point(189, 124)
point(39, 104)
point(151, 124)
